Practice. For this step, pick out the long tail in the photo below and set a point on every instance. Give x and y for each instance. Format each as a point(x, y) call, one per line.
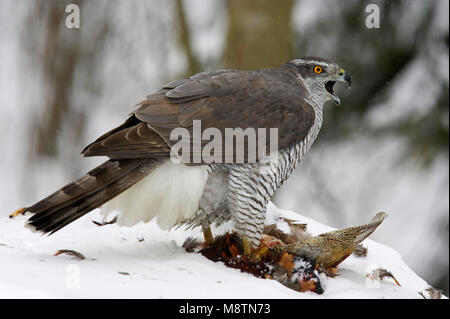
point(87, 193)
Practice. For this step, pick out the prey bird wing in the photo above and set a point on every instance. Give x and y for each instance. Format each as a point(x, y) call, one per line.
point(331, 248)
point(355, 235)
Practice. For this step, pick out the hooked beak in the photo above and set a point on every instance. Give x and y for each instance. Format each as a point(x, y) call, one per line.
point(342, 77)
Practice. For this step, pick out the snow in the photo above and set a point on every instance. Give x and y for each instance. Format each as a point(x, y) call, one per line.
point(144, 261)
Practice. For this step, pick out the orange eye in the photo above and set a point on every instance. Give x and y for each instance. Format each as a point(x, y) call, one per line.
point(318, 69)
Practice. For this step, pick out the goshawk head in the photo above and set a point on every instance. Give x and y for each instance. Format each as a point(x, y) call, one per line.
point(319, 76)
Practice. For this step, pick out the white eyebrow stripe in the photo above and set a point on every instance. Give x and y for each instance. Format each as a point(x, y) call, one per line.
point(300, 61)
point(317, 62)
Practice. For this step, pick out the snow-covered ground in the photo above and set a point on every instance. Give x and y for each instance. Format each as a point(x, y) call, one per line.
point(145, 262)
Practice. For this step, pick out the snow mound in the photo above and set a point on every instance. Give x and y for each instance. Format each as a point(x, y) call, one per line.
point(144, 261)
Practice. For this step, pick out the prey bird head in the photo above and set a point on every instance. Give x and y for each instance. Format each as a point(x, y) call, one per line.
point(319, 76)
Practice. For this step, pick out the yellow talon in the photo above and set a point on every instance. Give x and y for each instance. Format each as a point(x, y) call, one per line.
point(261, 253)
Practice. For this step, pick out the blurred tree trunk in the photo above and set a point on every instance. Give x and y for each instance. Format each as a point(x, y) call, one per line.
point(259, 34)
point(61, 54)
point(59, 61)
point(184, 36)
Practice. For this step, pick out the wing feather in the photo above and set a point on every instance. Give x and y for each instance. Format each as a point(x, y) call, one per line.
point(222, 99)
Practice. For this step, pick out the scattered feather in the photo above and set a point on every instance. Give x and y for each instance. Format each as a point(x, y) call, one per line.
point(431, 293)
point(360, 251)
point(70, 252)
point(191, 244)
point(112, 221)
point(380, 274)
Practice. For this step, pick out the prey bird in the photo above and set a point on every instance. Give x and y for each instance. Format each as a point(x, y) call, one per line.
point(140, 181)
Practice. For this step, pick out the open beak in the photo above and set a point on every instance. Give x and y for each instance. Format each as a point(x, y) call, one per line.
point(342, 77)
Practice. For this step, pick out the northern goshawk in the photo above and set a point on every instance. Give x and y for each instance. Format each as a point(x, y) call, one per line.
point(141, 181)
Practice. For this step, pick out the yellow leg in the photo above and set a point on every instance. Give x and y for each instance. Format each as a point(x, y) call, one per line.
point(247, 246)
point(207, 234)
point(17, 212)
